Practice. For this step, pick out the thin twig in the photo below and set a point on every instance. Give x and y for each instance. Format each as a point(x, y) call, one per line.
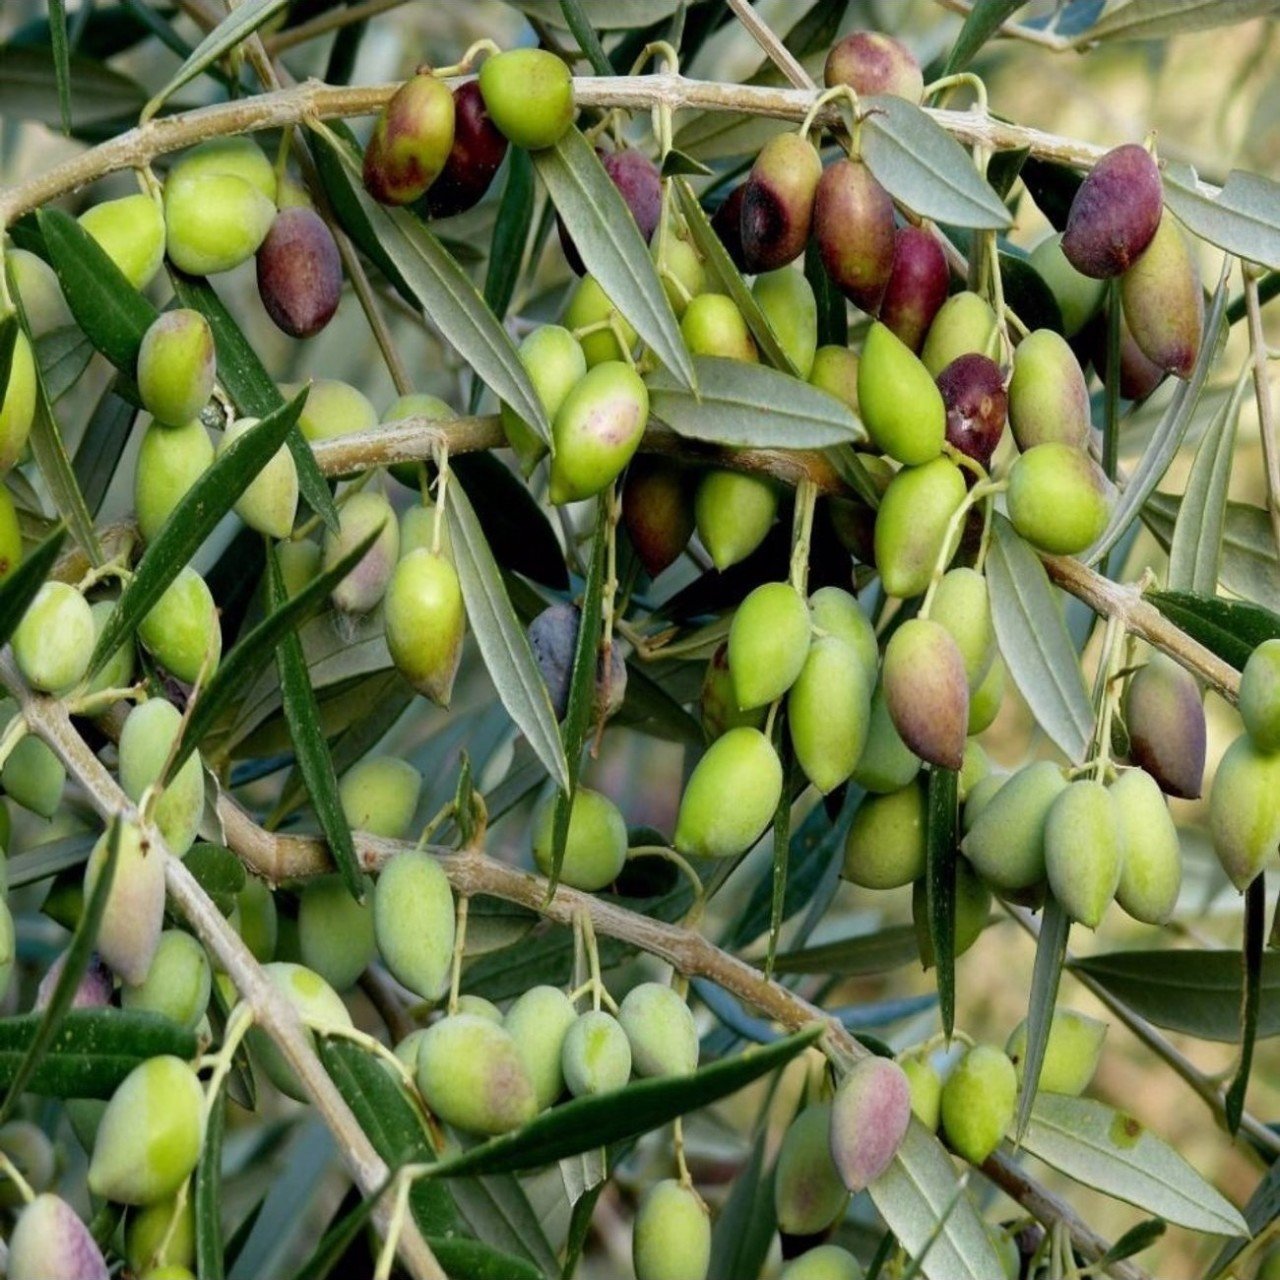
point(334, 20)
point(774, 49)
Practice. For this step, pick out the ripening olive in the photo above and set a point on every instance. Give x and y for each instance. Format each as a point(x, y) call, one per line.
point(411, 141)
point(596, 430)
point(595, 848)
point(1115, 213)
point(961, 605)
point(964, 323)
point(1152, 872)
point(34, 776)
point(911, 524)
point(869, 1117)
point(54, 640)
point(712, 325)
point(1058, 498)
point(977, 1102)
point(176, 366)
point(1006, 842)
point(671, 1238)
point(973, 391)
point(596, 1055)
point(917, 286)
point(1164, 714)
point(1071, 1053)
point(299, 272)
point(808, 1195)
point(414, 922)
point(331, 409)
point(178, 984)
point(639, 184)
point(149, 733)
point(853, 228)
point(472, 1076)
point(1164, 301)
point(901, 405)
point(786, 298)
point(49, 1240)
point(926, 691)
point(885, 845)
point(316, 1004)
point(734, 512)
point(1084, 850)
point(726, 222)
point(425, 621)
point(18, 408)
point(365, 584)
point(777, 202)
point(97, 986)
point(589, 305)
point(1139, 377)
point(768, 643)
point(872, 63)
point(170, 461)
point(657, 510)
point(335, 932)
point(1244, 810)
point(660, 1029)
point(887, 763)
point(828, 712)
point(528, 94)
point(1048, 398)
point(477, 154)
point(181, 631)
point(731, 796)
point(270, 500)
point(1078, 296)
point(539, 1022)
point(131, 232)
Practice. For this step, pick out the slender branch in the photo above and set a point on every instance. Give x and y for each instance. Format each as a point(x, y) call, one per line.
point(1015, 30)
point(334, 20)
point(775, 50)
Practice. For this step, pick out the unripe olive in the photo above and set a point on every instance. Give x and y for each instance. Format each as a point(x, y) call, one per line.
point(854, 231)
point(768, 643)
point(335, 932)
point(902, 407)
point(835, 371)
point(1164, 714)
point(718, 703)
point(539, 1022)
point(589, 305)
point(37, 285)
point(660, 1029)
point(829, 711)
point(885, 845)
point(17, 412)
point(270, 501)
point(834, 611)
point(786, 298)
point(869, 1117)
point(32, 1155)
point(887, 764)
point(472, 1076)
point(555, 363)
point(973, 391)
point(1048, 398)
point(712, 325)
point(213, 221)
point(380, 795)
point(1084, 850)
point(1114, 214)
point(961, 605)
point(333, 408)
point(671, 1238)
point(477, 154)
point(808, 1195)
point(482, 1008)
point(1259, 703)
point(299, 565)
point(964, 323)
point(181, 632)
point(733, 512)
point(1164, 301)
point(528, 94)
point(1078, 296)
point(178, 984)
point(640, 186)
point(134, 910)
point(148, 1229)
point(985, 700)
point(34, 776)
point(366, 583)
point(49, 1240)
point(657, 510)
point(596, 430)
point(1006, 842)
point(976, 766)
point(917, 286)
point(149, 1138)
point(239, 155)
point(683, 265)
point(299, 272)
point(596, 846)
point(726, 222)
point(254, 917)
point(912, 522)
point(411, 141)
point(978, 1101)
point(1152, 872)
point(425, 622)
point(1244, 810)
point(170, 461)
point(926, 691)
point(315, 1002)
point(926, 1090)
point(54, 640)
point(596, 1055)
point(777, 202)
point(1058, 498)
point(553, 639)
point(826, 1262)
point(1071, 1053)
point(973, 910)
point(176, 366)
point(731, 796)
point(131, 232)
point(413, 922)
point(872, 63)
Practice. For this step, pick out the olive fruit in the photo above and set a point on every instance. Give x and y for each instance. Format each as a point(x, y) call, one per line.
point(885, 845)
point(835, 371)
point(828, 712)
point(962, 607)
point(985, 700)
point(299, 272)
point(1244, 810)
point(149, 1138)
point(366, 583)
point(978, 1101)
point(917, 286)
point(788, 303)
point(973, 392)
point(134, 911)
point(972, 911)
point(379, 795)
point(660, 1029)
point(777, 202)
point(131, 232)
point(147, 1233)
point(1048, 398)
point(869, 1117)
point(425, 621)
point(32, 1154)
point(1114, 214)
point(219, 204)
point(926, 1090)
point(528, 94)
point(170, 461)
point(1259, 703)
point(34, 776)
point(95, 990)
point(181, 631)
point(1164, 714)
point(912, 522)
point(1058, 498)
point(335, 932)
point(18, 407)
point(826, 1262)
point(49, 1240)
point(595, 848)
point(681, 271)
point(54, 640)
point(873, 63)
point(926, 691)
point(333, 408)
point(768, 643)
point(555, 363)
point(255, 920)
point(299, 565)
point(539, 1022)
point(808, 1195)
point(314, 1001)
point(178, 984)
point(640, 186)
point(1071, 1053)
point(1084, 850)
point(589, 305)
point(712, 325)
point(36, 283)
point(964, 323)
point(726, 222)
point(476, 156)
point(596, 1055)
point(657, 511)
point(1078, 296)
point(413, 922)
point(835, 612)
point(482, 1008)
point(270, 500)
point(717, 701)
point(150, 731)
point(176, 366)
point(733, 512)
point(731, 796)
point(887, 763)
point(854, 231)
point(1152, 871)
point(1164, 301)
point(1006, 842)
point(596, 430)
point(411, 141)
point(901, 405)
point(471, 1075)
point(553, 639)
point(671, 1237)
point(417, 405)
point(1139, 377)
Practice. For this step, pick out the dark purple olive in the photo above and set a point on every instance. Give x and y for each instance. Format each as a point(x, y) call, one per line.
point(299, 272)
point(639, 184)
point(476, 155)
point(973, 390)
point(1114, 214)
point(657, 510)
point(777, 202)
point(726, 222)
point(873, 63)
point(853, 225)
point(917, 286)
point(553, 637)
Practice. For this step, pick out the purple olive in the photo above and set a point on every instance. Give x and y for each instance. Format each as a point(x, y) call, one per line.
point(299, 272)
point(476, 155)
point(973, 391)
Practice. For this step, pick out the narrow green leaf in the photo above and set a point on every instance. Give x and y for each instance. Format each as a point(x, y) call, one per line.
point(982, 23)
point(510, 233)
point(1134, 1241)
point(63, 355)
point(61, 61)
point(1034, 643)
point(862, 955)
point(1051, 952)
point(941, 851)
point(612, 248)
point(310, 747)
point(20, 587)
point(1263, 1209)
point(579, 1229)
point(503, 644)
point(101, 446)
point(218, 872)
point(833, 310)
point(781, 831)
point(29, 90)
point(208, 1194)
point(191, 522)
point(591, 1122)
point(340, 1236)
point(476, 1260)
point(1156, 19)
point(585, 34)
point(1231, 628)
point(744, 1228)
point(9, 328)
point(1255, 932)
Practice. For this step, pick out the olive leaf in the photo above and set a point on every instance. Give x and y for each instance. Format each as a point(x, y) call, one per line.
point(1242, 218)
point(1046, 975)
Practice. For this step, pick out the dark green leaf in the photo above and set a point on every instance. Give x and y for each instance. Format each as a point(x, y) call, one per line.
point(579, 1229)
point(1263, 1209)
point(1053, 187)
point(1255, 932)
point(19, 588)
point(207, 1195)
point(475, 1260)
point(983, 22)
point(781, 849)
point(101, 447)
point(585, 34)
point(1135, 1240)
point(238, 25)
point(1231, 628)
point(220, 873)
point(1051, 951)
point(63, 355)
point(677, 163)
point(1003, 169)
point(510, 234)
point(29, 89)
point(61, 61)
point(9, 329)
point(341, 1235)
point(941, 851)
point(1027, 295)
point(744, 1228)
point(833, 311)
point(864, 954)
